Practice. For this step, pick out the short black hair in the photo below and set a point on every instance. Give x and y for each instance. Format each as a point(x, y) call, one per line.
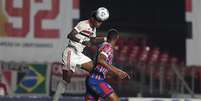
point(93, 15)
point(112, 34)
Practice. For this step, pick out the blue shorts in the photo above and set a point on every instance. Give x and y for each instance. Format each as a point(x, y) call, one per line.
point(97, 88)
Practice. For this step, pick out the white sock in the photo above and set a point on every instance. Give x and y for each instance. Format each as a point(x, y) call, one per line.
point(60, 90)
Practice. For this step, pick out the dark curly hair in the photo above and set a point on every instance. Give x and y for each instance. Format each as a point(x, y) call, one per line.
point(112, 34)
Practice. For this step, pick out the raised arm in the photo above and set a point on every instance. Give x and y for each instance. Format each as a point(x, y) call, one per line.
point(72, 36)
point(98, 39)
point(114, 70)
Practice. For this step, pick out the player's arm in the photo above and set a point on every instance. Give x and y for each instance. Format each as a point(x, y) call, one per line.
point(114, 70)
point(72, 36)
point(98, 39)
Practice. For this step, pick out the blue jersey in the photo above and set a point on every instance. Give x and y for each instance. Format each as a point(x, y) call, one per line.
point(100, 71)
point(95, 83)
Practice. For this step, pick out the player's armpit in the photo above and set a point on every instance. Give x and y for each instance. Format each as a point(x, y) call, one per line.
point(87, 43)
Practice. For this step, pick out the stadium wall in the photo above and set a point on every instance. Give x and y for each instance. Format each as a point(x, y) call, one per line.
point(46, 98)
point(35, 31)
point(193, 15)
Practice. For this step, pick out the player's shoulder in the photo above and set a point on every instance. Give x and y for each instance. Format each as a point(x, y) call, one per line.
point(83, 22)
point(82, 25)
point(106, 45)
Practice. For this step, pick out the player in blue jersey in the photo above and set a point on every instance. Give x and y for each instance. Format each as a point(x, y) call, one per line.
point(96, 85)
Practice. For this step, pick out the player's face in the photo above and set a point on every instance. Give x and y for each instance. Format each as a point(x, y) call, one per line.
point(97, 24)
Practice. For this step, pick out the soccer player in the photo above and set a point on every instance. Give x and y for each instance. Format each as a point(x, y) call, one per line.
point(96, 85)
point(83, 34)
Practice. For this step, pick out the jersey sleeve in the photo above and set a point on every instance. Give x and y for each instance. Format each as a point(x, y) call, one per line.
point(105, 50)
point(79, 27)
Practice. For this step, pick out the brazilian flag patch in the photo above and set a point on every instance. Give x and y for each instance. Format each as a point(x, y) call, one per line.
point(32, 80)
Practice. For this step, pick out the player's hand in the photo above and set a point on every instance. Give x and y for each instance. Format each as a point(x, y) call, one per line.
point(122, 75)
point(87, 43)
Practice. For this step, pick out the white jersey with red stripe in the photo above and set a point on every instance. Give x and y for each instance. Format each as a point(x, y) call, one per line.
point(85, 31)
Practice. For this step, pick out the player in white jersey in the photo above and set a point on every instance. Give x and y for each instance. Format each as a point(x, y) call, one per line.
point(83, 34)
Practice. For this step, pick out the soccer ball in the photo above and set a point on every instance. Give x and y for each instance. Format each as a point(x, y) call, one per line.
point(102, 14)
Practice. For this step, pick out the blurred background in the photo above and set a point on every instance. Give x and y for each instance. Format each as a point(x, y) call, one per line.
point(159, 47)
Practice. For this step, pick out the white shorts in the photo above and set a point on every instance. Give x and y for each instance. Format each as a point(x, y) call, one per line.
point(71, 58)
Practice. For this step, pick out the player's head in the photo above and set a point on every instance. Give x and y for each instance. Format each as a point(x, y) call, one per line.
point(112, 35)
point(99, 16)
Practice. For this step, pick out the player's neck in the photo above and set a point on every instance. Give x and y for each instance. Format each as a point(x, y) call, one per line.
point(112, 43)
point(91, 23)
